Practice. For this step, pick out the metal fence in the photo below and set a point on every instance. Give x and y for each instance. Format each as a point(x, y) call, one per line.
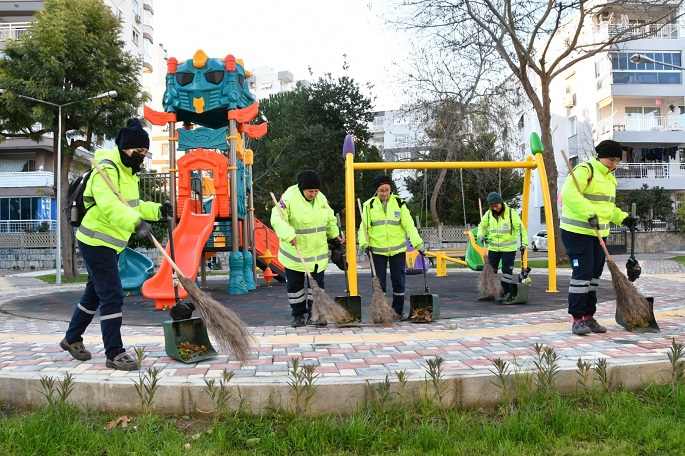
point(46, 240)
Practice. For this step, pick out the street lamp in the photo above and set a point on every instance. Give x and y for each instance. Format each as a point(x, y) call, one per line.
point(58, 171)
point(641, 58)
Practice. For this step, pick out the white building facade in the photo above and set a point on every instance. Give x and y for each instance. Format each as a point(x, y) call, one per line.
point(640, 105)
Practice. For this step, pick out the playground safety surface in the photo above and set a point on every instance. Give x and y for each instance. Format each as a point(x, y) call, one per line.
point(468, 336)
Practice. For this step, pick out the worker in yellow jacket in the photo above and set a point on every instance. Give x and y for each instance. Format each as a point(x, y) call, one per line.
point(583, 211)
point(309, 223)
point(502, 229)
point(388, 223)
point(103, 234)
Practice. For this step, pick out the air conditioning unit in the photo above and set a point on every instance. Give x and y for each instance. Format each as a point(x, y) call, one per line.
point(570, 100)
point(137, 18)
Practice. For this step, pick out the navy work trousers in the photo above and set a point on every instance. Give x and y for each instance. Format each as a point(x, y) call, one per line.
point(299, 300)
point(103, 291)
point(587, 263)
point(507, 267)
point(397, 263)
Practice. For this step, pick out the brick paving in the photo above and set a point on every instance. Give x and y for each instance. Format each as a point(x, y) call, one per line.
point(31, 330)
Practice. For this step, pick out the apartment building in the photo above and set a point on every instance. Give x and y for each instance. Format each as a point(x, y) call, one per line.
point(639, 103)
point(27, 178)
point(399, 136)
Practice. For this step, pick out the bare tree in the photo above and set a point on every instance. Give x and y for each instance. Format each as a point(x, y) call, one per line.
point(534, 40)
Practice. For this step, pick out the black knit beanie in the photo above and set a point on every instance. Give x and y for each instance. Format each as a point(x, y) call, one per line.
point(132, 136)
point(308, 180)
point(609, 149)
point(380, 180)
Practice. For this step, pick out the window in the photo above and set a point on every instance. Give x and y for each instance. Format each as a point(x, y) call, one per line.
point(626, 72)
point(27, 209)
point(135, 6)
point(572, 126)
point(135, 37)
point(642, 118)
point(542, 215)
point(165, 150)
point(147, 17)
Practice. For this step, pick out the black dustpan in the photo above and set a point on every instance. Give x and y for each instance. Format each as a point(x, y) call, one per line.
point(424, 308)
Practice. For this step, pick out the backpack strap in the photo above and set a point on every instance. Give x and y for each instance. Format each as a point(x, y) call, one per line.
point(101, 162)
point(592, 171)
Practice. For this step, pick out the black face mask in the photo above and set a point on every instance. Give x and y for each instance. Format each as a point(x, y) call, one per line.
point(133, 162)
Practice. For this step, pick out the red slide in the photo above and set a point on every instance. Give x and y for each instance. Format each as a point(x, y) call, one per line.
point(265, 237)
point(190, 236)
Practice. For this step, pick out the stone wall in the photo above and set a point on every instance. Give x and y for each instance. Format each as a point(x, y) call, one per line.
point(657, 241)
point(27, 259)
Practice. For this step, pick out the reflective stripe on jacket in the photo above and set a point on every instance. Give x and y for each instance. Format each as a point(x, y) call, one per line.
point(311, 223)
point(387, 228)
point(110, 222)
point(598, 198)
point(504, 232)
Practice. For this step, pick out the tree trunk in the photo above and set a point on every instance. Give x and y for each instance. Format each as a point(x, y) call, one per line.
point(69, 262)
point(434, 197)
point(548, 157)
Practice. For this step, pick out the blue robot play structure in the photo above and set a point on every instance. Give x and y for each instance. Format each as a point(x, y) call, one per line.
point(212, 100)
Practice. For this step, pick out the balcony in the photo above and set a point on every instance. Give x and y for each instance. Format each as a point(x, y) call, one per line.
point(653, 31)
point(631, 176)
point(631, 130)
point(13, 31)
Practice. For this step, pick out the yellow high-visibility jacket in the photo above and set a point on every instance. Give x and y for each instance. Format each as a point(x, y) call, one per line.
point(598, 198)
point(110, 222)
point(312, 223)
point(387, 229)
point(503, 232)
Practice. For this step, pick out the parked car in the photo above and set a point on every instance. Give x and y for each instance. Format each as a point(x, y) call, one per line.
point(539, 241)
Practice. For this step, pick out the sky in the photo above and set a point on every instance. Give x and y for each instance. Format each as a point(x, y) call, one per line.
point(289, 36)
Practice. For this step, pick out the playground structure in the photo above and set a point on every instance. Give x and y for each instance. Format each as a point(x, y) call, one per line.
point(528, 165)
point(211, 98)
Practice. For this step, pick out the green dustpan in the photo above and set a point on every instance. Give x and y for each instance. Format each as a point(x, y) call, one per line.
point(193, 331)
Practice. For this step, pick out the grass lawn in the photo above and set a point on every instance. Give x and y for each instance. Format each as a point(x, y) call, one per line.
point(51, 278)
point(679, 259)
point(596, 423)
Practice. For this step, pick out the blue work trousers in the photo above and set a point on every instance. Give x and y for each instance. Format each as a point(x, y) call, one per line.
point(300, 300)
point(397, 277)
point(507, 267)
point(103, 291)
point(587, 263)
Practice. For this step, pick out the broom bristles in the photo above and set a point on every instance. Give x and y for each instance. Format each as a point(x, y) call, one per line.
point(324, 306)
point(380, 312)
point(633, 307)
point(488, 284)
point(228, 329)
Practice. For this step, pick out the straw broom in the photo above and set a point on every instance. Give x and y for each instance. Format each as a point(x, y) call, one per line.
point(488, 284)
point(381, 312)
point(229, 330)
point(633, 307)
point(322, 304)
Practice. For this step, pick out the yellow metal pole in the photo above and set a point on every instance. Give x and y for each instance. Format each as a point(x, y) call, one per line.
point(350, 210)
point(536, 149)
point(443, 165)
point(525, 206)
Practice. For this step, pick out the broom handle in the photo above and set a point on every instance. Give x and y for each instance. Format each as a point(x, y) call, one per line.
point(152, 237)
point(485, 248)
point(280, 211)
point(366, 235)
point(580, 190)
